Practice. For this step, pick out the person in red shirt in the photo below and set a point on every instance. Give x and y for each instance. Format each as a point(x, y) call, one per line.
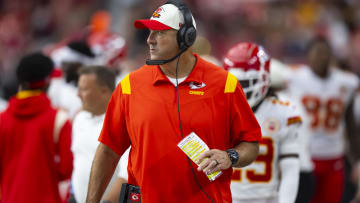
point(35, 139)
point(155, 107)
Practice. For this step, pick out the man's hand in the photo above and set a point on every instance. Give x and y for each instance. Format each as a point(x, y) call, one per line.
point(213, 160)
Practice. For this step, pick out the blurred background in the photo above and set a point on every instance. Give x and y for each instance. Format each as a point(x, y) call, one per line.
point(283, 27)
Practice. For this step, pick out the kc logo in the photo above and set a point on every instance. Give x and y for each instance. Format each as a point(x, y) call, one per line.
point(156, 13)
point(195, 85)
point(135, 197)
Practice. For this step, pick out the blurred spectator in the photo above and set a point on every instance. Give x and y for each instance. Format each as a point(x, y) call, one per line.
point(307, 180)
point(202, 47)
point(96, 85)
point(109, 47)
point(63, 91)
point(35, 138)
point(281, 26)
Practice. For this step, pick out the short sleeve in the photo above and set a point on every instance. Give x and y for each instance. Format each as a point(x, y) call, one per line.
point(114, 132)
point(289, 143)
point(244, 126)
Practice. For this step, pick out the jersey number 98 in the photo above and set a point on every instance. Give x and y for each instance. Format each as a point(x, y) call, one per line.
point(332, 111)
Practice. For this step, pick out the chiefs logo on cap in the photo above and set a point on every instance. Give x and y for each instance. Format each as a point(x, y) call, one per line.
point(156, 13)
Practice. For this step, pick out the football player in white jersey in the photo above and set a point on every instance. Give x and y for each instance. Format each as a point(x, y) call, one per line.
point(261, 182)
point(326, 95)
point(307, 178)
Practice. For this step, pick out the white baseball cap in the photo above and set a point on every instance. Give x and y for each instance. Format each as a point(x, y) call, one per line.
point(166, 17)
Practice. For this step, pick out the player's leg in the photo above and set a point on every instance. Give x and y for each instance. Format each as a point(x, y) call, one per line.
point(329, 177)
point(306, 187)
point(350, 186)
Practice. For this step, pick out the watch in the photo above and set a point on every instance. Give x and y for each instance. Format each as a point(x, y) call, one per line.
point(233, 155)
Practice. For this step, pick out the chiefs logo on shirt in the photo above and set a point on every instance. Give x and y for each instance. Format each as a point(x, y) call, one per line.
point(156, 13)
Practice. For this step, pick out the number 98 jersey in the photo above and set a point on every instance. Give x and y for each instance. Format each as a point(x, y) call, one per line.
point(324, 100)
point(279, 121)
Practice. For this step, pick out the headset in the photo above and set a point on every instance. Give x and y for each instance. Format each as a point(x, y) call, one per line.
point(186, 35)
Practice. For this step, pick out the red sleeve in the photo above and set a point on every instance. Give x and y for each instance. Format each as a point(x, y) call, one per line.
point(244, 126)
point(65, 164)
point(114, 132)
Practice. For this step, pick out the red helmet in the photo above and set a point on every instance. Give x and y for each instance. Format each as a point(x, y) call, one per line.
point(109, 48)
point(251, 66)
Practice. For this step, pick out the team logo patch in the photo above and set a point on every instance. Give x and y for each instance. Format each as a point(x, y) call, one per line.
point(294, 120)
point(272, 125)
point(135, 197)
point(156, 13)
point(195, 85)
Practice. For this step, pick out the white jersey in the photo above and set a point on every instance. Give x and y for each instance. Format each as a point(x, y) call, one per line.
point(306, 164)
point(324, 101)
point(3, 104)
point(64, 96)
point(86, 130)
point(260, 180)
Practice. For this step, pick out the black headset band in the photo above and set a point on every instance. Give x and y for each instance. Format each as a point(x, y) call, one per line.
point(184, 10)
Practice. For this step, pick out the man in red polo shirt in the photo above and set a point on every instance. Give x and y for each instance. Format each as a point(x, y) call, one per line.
point(155, 107)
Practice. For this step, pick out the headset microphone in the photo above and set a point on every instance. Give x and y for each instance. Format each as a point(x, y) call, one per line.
point(162, 62)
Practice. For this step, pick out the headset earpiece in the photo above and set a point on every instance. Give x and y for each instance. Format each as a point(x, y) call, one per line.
point(190, 36)
point(186, 36)
point(187, 33)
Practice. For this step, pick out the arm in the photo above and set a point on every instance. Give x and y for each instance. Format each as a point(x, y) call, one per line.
point(353, 139)
point(245, 133)
point(352, 132)
point(114, 194)
point(290, 169)
point(102, 169)
point(248, 151)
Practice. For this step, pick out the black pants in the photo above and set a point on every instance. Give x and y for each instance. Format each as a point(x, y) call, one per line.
point(350, 188)
point(306, 187)
point(72, 199)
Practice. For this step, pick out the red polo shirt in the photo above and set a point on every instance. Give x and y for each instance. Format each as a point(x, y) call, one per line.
point(143, 110)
